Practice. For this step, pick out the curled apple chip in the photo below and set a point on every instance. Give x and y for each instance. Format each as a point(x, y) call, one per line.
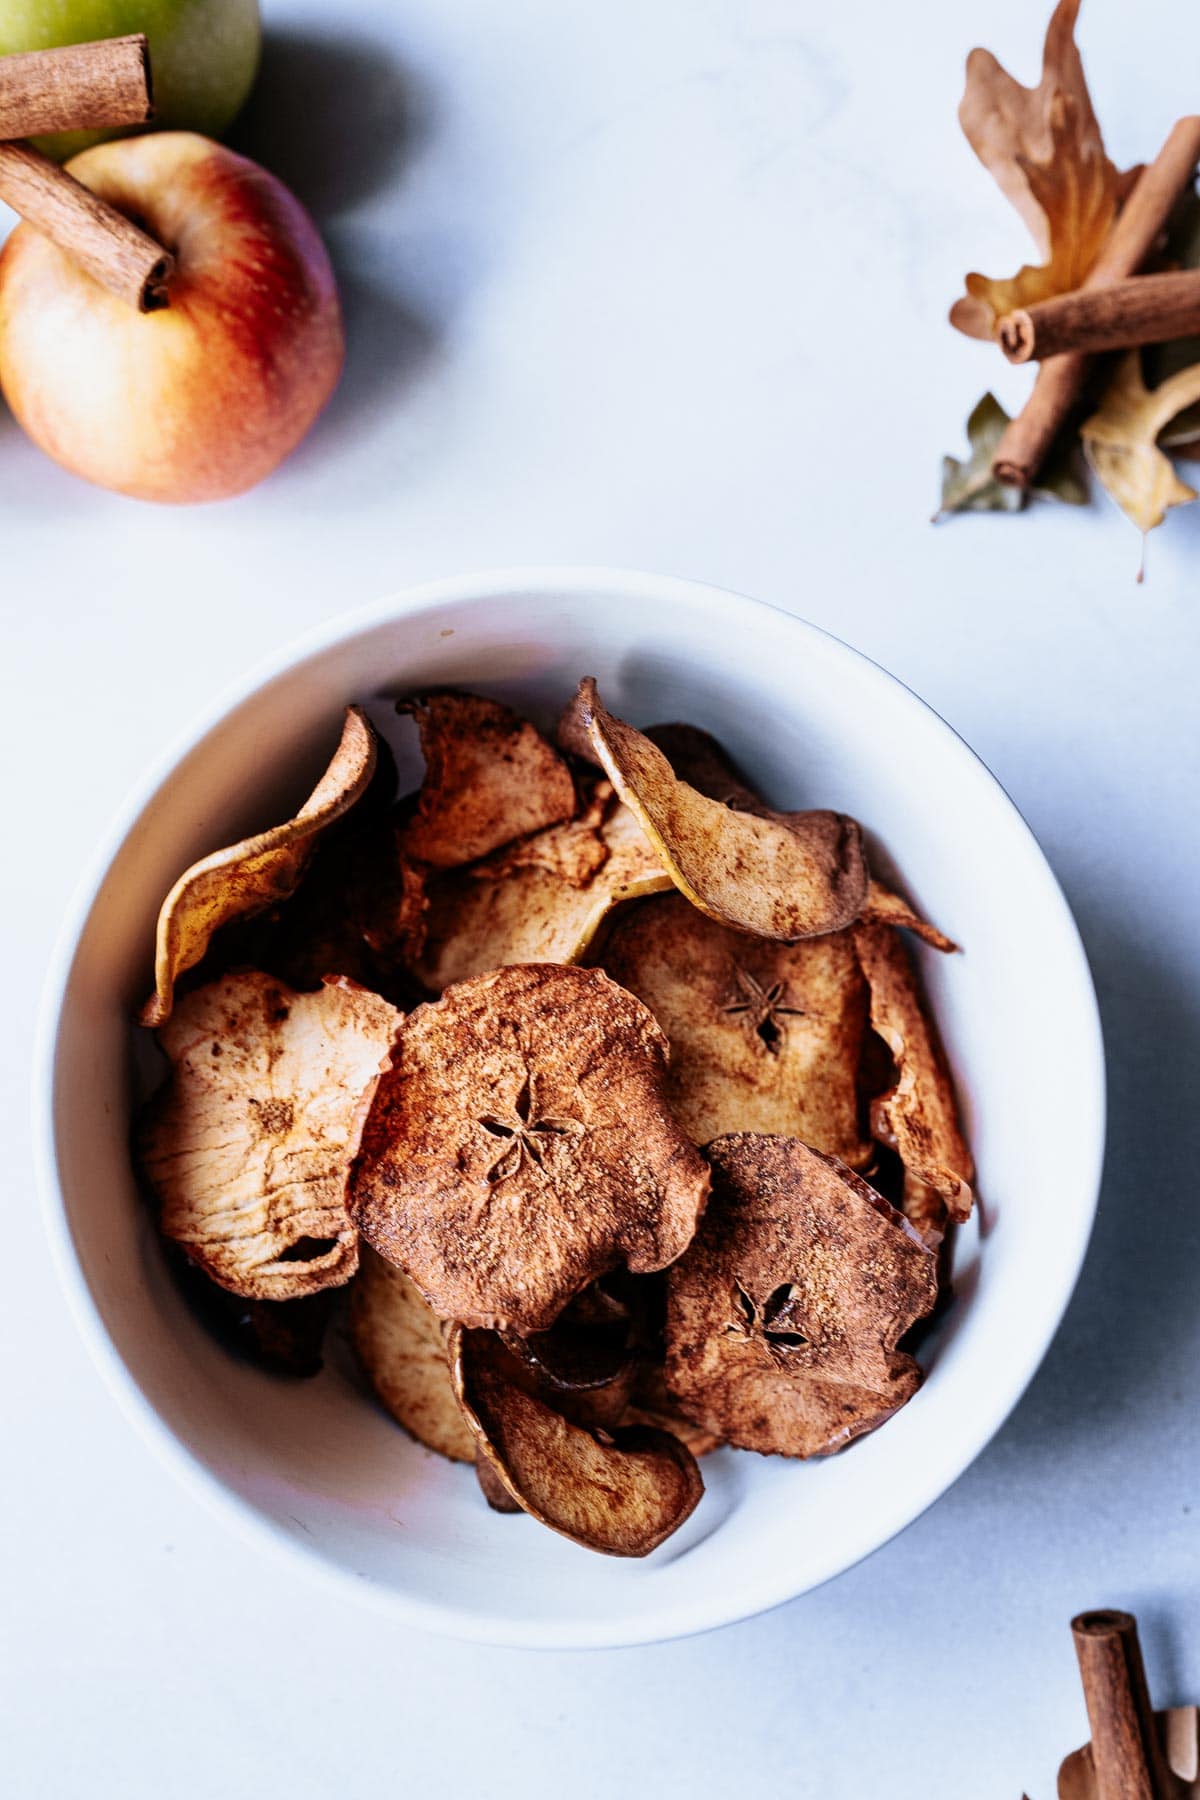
point(621, 1492)
point(918, 1115)
point(764, 1036)
point(247, 1144)
point(534, 902)
point(491, 1486)
point(784, 1315)
point(520, 1146)
point(490, 776)
point(885, 907)
point(401, 1344)
point(253, 874)
point(699, 759)
point(779, 875)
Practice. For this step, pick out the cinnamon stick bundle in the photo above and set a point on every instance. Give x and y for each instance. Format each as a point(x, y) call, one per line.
point(77, 88)
point(1023, 447)
point(1146, 309)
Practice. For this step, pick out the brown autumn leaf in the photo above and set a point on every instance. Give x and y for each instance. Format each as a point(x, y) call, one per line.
point(253, 874)
point(1120, 441)
point(1044, 148)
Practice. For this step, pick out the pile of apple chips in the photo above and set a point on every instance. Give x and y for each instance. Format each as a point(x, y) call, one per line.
point(607, 1091)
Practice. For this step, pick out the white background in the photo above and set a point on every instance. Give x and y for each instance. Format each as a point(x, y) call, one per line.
point(663, 283)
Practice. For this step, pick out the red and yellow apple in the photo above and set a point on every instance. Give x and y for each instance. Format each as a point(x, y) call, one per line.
point(204, 398)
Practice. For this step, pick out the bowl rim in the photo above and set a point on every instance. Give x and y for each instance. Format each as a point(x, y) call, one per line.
point(710, 1610)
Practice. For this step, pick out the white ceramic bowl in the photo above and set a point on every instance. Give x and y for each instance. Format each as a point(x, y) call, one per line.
point(312, 1468)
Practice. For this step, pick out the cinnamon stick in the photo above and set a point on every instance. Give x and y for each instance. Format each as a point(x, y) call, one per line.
point(1023, 447)
point(113, 250)
point(1126, 1754)
point(77, 88)
point(1146, 309)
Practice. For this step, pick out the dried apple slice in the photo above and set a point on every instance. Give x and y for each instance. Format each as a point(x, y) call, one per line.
point(247, 1144)
point(520, 1146)
point(918, 1116)
point(621, 1492)
point(764, 1036)
point(521, 907)
point(490, 776)
point(785, 875)
point(401, 1344)
point(701, 761)
point(256, 872)
point(885, 907)
point(784, 1315)
point(652, 1405)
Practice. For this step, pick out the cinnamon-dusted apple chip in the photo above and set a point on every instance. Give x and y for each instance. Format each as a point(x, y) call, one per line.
point(532, 902)
point(253, 874)
point(784, 875)
point(764, 1036)
point(918, 1116)
point(490, 776)
point(784, 1315)
point(621, 1492)
point(651, 1404)
point(885, 907)
point(520, 1145)
point(699, 759)
point(248, 1143)
point(401, 1344)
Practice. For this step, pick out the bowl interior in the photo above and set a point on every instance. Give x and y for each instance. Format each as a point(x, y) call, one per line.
point(315, 1466)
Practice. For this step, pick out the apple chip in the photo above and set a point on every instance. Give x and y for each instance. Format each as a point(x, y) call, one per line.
point(247, 1144)
point(783, 875)
point(621, 1492)
point(652, 1405)
point(918, 1116)
point(490, 776)
point(700, 760)
point(884, 907)
point(253, 874)
point(491, 1486)
point(520, 1146)
point(764, 1036)
point(784, 1315)
point(401, 1344)
point(533, 902)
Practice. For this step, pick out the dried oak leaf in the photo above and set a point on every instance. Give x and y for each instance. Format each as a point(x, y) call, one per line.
point(782, 875)
point(764, 1036)
point(401, 1344)
point(970, 486)
point(918, 1115)
point(520, 1145)
point(255, 873)
point(247, 1144)
point(521, 907)
point(1120, 441)
point(490, 776)
point(784, 1315)
point(621, 1492)
point(1043, 147)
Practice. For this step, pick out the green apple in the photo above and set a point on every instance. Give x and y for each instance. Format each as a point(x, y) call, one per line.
point(203, 54)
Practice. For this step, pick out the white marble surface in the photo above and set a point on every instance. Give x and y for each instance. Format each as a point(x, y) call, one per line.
point(658, 284)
